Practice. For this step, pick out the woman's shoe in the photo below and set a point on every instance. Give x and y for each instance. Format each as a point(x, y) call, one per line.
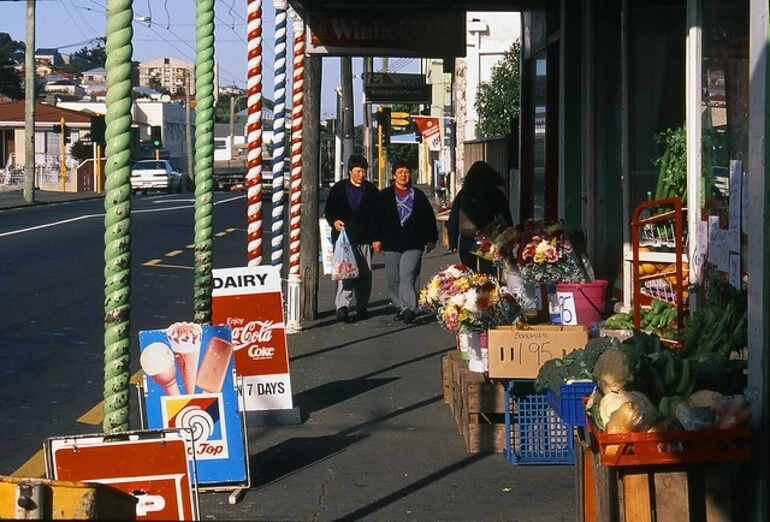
point(409, 316)
point(399, 316)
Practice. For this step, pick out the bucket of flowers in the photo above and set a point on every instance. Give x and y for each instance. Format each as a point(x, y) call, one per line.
point(546, 255)
point(498, 243)
point(469, 305)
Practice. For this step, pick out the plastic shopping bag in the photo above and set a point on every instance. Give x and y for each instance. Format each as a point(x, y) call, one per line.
point(344, 265)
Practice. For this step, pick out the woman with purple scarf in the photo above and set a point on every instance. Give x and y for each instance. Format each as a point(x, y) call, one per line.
point(352, 205)
point(407, 227)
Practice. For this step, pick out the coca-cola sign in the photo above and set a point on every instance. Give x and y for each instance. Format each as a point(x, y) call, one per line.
point(249, 301)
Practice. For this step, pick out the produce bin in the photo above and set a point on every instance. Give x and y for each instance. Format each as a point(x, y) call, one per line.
point(61, 499)
point(569, 403)
point(675, 447)
point(534, 433)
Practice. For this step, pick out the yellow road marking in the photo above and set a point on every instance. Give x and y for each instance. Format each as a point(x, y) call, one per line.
point(172, 266)
point(220, 234)
point(95, 415)
point(190, 246)
point(229, 230)
point(152, 262)
point(174, 253)
point(34, 467)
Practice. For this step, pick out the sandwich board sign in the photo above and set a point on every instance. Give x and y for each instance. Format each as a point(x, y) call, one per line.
point(249, 301)
point(189, 383)
point(150, 465)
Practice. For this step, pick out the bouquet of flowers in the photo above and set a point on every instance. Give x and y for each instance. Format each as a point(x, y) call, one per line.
point(498, 243)
point(444, 285)
point(546, 255)
point(470, 302)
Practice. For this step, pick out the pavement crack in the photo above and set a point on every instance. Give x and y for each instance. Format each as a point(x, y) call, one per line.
point(322, 497)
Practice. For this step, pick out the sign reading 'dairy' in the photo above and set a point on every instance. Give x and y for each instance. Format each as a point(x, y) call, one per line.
point(249, 300)
point(189, 383)
point(150, 465)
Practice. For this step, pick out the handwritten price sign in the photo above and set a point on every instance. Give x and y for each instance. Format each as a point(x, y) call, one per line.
point(519, 354)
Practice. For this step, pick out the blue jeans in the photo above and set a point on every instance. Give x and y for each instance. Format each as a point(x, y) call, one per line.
point(403, 271)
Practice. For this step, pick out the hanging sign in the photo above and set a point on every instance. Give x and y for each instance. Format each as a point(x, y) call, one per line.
point(150, 465)
point(249, 300)
point(430, 130)
point(189, 383)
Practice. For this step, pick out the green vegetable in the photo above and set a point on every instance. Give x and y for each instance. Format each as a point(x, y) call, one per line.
point(577, 365)
point(623, 367)
point(720, 326)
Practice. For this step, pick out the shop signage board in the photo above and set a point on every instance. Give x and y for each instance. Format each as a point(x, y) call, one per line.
point(150, 465)
point(327, 246)
point(249, 301)
point(189, 383)
point(378, 78)
point(519, 354)
point(386, 33)
point(398, 93)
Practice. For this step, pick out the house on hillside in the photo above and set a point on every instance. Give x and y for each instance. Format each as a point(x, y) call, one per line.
point(48, 145)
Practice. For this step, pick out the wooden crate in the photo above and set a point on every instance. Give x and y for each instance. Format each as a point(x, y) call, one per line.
point(477, 406)
point(664, 493)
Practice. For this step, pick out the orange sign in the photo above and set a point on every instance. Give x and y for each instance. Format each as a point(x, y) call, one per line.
point(249, 300)
point(430, 130)
point(154, 470)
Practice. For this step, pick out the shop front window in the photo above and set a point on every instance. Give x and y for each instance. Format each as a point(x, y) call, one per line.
point(539, 142)
point(724, 102)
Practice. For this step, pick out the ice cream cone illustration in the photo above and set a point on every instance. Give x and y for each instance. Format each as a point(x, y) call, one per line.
point(216, 360)
point(185, 339)
point(157, 362)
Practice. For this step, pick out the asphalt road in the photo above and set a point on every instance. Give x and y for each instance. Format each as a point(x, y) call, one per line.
point(51, 276)
point(376, 441)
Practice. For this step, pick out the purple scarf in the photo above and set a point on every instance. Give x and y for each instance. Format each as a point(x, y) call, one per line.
point(354, 194)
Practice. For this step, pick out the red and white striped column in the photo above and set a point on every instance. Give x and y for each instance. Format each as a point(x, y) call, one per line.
point(295, 188)
point(254, 132)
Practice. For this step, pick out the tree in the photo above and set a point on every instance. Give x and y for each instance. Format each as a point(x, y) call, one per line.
point(11, 54)
point(86, 59)
point(497, 101)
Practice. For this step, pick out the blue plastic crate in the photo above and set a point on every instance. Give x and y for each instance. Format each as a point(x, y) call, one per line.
point(569, 403)
point(534, 433)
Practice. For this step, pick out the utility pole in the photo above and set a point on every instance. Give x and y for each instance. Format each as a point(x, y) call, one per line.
point(309, 246)
point(367, 68)
point(188, 131)
point(29, 106)
point(346, 80)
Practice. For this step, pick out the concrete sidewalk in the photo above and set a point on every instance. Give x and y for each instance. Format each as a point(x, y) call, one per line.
point(377, 441)
point(14, 198)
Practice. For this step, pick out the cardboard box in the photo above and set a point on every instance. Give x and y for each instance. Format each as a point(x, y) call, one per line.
point(519, 354)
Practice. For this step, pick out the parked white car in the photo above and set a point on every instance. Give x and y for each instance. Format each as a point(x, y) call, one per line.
point(155, 175)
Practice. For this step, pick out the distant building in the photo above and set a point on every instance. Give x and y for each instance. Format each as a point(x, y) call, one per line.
point(95, 80)
point(70, 89)
point(50, 57)
point(166, 74)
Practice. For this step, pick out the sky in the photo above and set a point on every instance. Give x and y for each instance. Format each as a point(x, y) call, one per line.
point(170, 32)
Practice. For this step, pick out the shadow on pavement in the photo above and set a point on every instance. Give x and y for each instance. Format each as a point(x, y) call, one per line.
point(349, 343)
point(298, 453)
point(411, 488)
point(331, 393)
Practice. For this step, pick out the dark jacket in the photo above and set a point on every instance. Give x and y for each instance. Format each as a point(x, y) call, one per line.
point(419, 228)
point(359, 225)
point(480, 208)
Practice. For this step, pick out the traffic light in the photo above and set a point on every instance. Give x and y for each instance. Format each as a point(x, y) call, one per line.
point(67, 134)
point(385, 122)
point(155, 136)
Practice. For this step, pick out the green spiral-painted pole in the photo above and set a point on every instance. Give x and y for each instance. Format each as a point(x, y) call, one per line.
point(204, 157)
point(117, 220)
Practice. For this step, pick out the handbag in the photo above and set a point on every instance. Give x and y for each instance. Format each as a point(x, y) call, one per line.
point(467, 227)
point(344, 265)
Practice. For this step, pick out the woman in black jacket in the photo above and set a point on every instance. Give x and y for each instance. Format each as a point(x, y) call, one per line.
point(352, 205)
point(407, 226)
point(479, 203)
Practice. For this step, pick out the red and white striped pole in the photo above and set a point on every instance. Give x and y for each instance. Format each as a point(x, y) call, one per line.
point(254, 132)
point(295, 188)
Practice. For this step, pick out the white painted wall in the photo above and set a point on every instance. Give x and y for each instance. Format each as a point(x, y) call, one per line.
point(489, 35)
